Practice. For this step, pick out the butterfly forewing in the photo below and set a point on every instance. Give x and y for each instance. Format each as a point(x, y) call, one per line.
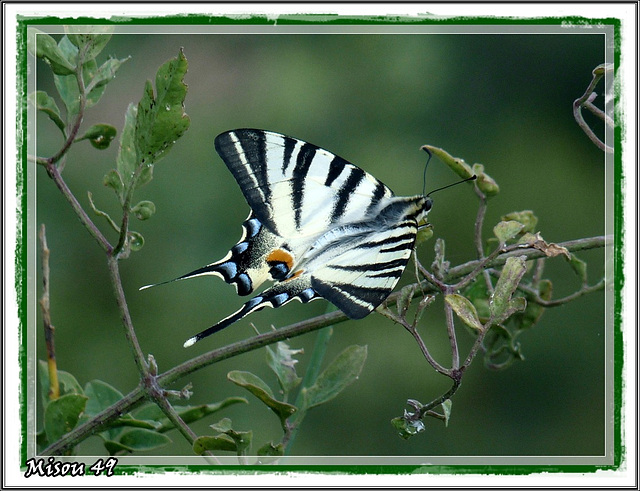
point(295, 188)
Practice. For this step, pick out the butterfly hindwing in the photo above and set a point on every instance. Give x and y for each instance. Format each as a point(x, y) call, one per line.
point(298, 288)
point(362, 273)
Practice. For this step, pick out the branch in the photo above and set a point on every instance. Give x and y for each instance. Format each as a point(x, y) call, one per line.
point(54, 173)
point(586, 100)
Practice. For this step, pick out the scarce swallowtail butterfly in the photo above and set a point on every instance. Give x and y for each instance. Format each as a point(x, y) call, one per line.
point(319, 227)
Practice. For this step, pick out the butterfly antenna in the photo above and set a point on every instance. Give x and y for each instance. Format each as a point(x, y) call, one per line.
point(424, 174)
point(472, 178)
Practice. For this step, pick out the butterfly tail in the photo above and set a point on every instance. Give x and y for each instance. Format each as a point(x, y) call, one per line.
point(298, 288)
point(244, 266)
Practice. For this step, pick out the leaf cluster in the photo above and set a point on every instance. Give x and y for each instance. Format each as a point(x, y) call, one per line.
point(337, 376)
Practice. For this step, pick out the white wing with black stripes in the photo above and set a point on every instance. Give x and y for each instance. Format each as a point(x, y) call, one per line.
point(319, 227)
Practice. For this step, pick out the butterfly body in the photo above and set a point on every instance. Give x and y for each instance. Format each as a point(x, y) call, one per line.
point(319, 227)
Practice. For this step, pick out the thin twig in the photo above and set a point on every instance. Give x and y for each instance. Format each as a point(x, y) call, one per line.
point(82, 104)
point(416, 335)
point(130, 334)
point(54, 173)
point(451, 332)
point(49, 329)
point(586, 100)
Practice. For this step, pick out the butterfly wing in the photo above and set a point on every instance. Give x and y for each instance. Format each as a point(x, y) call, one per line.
point(355, 266)
point(297, 189)
point(358, 274)
point(279, 294)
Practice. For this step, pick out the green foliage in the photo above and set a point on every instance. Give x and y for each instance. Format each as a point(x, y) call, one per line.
point(142, 429)
point(45, 103)
point(100, 135)
point(341, 372)
point(336, 377)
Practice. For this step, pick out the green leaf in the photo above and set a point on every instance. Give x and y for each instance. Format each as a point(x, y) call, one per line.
point(534, 311)
point(91, 38)
point(102, 76)
point(269, 452)
point(141, 439)
point(101, 395)
point(446, 410)
point(404, 300)
point(579, 267)
point(127, 159)
point(146, 174)
point(506, 231)
point(67, 382)
point(45, 103)
point(45, 47)
point(62, 415)
point(114, 448)
point(205, 443)
point(341, 372)
point(67, 86)
point(407, 428)
point(283, 364)
point(525, 217)
point(242, 439)
point(458, 166)
point(144, 210)
point(425, 232)
point(161, 119)
point(262, 391)
point(485, 182)
point(502, 305)
point(465, 310)
point(113, 180)
point(100, 135)
point(222, 426)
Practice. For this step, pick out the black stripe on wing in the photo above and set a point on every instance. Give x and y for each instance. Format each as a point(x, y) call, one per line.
point(303, 162)
point(355, 301)
point(244, 153)
point(279, 294)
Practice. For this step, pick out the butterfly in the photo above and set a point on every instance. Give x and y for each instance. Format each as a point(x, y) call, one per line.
point(319, 227)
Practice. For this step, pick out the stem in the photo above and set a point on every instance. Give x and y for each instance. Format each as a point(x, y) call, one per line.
point(82, 103)
point(49, 330)
point(451, 331)
point(54, 173)
point(436, 402)
point(586, 100)
point(130, 334)
point(414, 332)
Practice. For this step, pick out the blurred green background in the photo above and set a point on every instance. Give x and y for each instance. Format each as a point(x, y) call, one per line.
point(501, 100)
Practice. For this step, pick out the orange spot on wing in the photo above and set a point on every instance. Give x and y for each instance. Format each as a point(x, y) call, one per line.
point(280, 256)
